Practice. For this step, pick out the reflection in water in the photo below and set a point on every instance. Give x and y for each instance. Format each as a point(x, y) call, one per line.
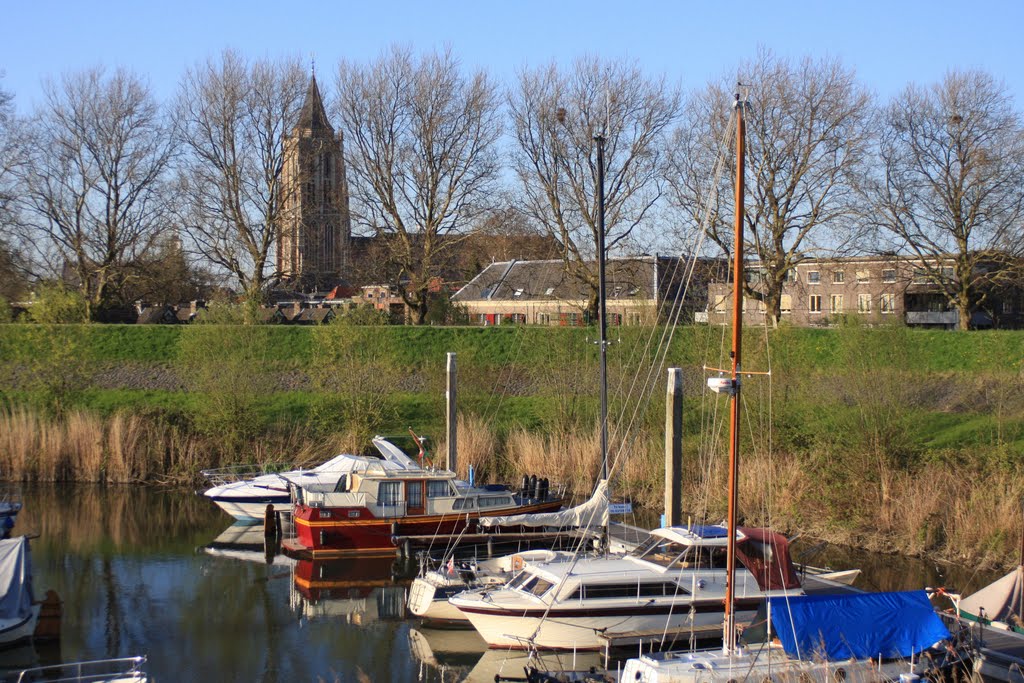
point(162, 573)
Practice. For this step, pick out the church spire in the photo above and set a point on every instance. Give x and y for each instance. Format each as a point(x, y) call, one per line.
point(312, 116)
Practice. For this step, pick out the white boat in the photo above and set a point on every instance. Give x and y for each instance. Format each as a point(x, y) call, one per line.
point(857, 637)
point(121, 670)
point(19, 611)
point(245, 497)
point(428, 596)
point(676, 581)
point(429, 593)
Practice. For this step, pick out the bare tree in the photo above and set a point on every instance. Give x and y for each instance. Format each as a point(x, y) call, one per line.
point(232, 118)
point(420, 151)
point(8, 159)
point(808, 134)
point(556, 115)
point(91, 183)
point(953, 185)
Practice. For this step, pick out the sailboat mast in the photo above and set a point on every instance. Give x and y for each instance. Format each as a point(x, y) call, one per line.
point(602, 314)
point(729, 635)
point(602, 317)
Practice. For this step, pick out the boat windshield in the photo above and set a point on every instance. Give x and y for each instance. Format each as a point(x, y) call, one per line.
point(702, 557)
point(530, 583)
point(660, 551)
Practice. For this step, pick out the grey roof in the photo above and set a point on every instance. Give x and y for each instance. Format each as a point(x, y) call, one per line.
point(627, 278)
point(312, 115)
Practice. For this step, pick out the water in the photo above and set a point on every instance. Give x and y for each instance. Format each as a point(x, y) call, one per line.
point(162, 573)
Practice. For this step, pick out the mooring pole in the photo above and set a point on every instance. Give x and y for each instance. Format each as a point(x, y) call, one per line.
point(674, 448)
point(449, 412)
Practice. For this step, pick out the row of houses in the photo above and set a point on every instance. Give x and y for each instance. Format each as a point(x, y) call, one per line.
point(644, 290)
point(817, 292)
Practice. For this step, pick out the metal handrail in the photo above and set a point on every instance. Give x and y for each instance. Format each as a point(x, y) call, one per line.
point(90, 671)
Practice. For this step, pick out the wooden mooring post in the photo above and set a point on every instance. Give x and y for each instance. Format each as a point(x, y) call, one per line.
point(674, 448)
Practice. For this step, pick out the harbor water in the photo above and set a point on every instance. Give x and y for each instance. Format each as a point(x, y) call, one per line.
point(164, 573)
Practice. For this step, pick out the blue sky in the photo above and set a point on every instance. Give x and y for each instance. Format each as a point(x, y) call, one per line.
point(888, 43)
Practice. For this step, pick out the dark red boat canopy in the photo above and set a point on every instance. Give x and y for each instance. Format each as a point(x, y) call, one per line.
point(766, 555)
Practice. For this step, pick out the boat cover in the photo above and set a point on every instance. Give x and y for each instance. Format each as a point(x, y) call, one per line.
point(858, 626)
point(1001, 600)
point(765, 554)
point(15, 579)
point(592, 513)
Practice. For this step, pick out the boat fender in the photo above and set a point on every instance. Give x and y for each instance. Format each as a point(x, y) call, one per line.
point(533, 486)
point(524, 490)
point(538, 488)
point(544, 486)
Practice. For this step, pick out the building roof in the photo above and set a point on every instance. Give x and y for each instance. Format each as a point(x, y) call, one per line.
point(627, 278)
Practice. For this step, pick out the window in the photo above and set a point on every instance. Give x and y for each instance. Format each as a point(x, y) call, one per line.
point(414, 493)
point(920, 276)
point(786, 303)
point(836, 303)
point(518, 292)
point(721, 303)
point(1007, 306)
point(947, 272)
point(463, 504)
point(549, 291)
point(438, 489)
point(863, 276)
point(790, 275)
point(815, 303)
point(389, 493)
point(544, 318)
point(863, 303)
point(494, 502)
point(887, 303)
point(838, 276)
point(814, 277)
point(889, 275)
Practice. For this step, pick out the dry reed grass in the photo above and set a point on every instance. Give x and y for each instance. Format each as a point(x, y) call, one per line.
point(477, 447)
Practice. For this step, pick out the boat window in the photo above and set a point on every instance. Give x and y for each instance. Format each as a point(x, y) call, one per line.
point(703, 558)
point(520, 579)
point(414, 493)
point(612, 590)
point(389, 492)
point(660, 589)
point(495, 502)
point(463, 504)
point(537, 586)
point(438, 489)
point(663, 552)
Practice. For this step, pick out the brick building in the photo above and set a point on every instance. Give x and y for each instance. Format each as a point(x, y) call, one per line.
point(871, 288)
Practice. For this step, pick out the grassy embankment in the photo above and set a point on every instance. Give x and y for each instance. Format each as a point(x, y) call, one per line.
point(886, 438)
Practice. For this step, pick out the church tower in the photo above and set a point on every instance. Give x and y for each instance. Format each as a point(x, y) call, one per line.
point(313, 241)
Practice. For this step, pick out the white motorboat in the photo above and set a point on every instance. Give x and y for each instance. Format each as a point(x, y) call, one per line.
point(676, 581)
point(428, 596)
point(245, 496)
point(19, 611)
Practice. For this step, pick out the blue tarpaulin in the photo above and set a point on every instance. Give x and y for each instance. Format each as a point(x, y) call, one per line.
point(863, 625)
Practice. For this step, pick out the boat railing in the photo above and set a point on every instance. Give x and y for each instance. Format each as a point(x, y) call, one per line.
point(92, 671)
point(220, 476)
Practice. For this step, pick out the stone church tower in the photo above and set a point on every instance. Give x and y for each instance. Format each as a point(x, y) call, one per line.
point(314, 240)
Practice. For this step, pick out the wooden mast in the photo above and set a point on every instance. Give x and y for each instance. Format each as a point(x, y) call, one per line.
point(729, 634)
